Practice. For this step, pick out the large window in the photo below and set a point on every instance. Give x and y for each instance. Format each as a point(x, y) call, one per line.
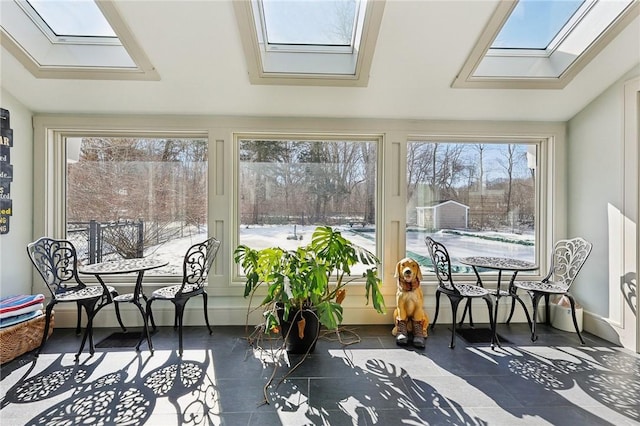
point(477, 198)
point(265, 183)
point(288, 186)
point(136, 197)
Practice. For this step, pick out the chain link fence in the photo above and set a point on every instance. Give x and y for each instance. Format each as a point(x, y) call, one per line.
point(97, 242)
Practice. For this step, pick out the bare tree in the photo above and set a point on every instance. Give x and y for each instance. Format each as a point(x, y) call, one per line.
point(369, 159)
point(343, 25)
point(438, 165)
point(264, 154)
point(480, 148)
point(420, 159)
point(161, 181)
point(310, 179)
point(507, 163)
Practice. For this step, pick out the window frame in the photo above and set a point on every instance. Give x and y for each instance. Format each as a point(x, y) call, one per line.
point(541, 196)
point(378, 139)
point(85, 58)
point(529, 69)
point(289, 64)
point(56, 185)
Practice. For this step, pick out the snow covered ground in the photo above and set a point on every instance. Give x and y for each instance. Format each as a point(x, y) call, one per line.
point(474, 244)
point(173, 251)
point(468, 244)
point(288, 237)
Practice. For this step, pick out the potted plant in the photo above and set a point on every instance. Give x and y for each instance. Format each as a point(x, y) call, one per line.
point(306, 286)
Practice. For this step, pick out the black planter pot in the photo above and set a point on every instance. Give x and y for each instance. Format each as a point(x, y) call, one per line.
point(293, 343)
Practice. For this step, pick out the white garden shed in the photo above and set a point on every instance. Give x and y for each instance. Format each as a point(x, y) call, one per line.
point(447, 214)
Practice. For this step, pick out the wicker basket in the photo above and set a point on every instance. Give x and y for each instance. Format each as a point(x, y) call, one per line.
point(22, 338)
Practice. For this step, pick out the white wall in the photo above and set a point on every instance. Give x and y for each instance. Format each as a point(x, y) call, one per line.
point(594, 167)
point(15, 267)
point(599, 210)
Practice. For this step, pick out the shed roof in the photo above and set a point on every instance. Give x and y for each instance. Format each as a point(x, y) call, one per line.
point(435, 204)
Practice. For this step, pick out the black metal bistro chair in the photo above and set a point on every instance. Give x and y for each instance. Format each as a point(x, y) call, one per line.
point(196, 266)
point(57, 262)
point(567, 259)
point(456, 292)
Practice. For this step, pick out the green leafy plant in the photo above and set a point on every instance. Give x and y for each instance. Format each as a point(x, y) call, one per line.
point(310, 277)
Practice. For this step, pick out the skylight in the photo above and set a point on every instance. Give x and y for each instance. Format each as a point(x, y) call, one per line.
point(311, 23)
point(328, 42)
point(78, 18)
point(533, 24)
point(542, 43)
point(72, 39)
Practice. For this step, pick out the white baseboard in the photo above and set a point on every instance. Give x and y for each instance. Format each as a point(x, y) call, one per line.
point(66, 315)
point(600, 327)
point(233, 311)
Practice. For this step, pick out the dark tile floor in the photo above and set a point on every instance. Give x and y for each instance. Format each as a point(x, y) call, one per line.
point(220, 379)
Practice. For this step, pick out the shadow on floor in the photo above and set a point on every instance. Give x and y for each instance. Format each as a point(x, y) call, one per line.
point(222, 380)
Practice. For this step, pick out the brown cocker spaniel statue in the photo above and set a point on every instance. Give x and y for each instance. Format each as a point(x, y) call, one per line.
point(409, 314)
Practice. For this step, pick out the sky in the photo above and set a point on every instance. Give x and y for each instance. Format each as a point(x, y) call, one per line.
point(73, 17)
point(533, 23)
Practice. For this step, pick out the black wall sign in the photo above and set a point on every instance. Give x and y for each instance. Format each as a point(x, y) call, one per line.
point(6, 170)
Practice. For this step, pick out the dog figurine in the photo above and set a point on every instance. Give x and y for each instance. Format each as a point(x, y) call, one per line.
point(409, 314)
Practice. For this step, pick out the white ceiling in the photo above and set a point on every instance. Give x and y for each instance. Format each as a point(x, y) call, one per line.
point(195, 47)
